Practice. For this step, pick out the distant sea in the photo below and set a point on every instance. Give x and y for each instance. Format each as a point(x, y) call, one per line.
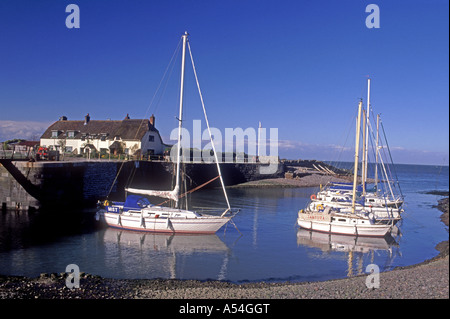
point(271, 248)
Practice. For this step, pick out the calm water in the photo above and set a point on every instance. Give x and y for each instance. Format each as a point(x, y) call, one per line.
point(271, 247)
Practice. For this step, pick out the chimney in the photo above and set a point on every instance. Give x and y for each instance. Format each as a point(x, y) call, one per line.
point(63, 118)
point(86, 119)
point(152, 120)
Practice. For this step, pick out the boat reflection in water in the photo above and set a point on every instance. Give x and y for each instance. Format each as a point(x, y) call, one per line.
point(167, 256)
point(355, 246)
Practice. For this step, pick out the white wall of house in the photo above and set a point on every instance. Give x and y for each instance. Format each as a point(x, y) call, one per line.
point(150, 141)
point(49, 142)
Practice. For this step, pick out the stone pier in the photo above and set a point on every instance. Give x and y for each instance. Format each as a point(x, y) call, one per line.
point(80, 184)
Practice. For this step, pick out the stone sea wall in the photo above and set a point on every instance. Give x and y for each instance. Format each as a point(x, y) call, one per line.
point(79, 184)
point(12, 194)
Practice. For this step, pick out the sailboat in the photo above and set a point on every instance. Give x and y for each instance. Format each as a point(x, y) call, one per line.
point(339, 196)
point(138, 214)
point(385, 206)
point(357, 222)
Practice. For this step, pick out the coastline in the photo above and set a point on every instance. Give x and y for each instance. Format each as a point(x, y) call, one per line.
point(426, 280)
point(309, 180)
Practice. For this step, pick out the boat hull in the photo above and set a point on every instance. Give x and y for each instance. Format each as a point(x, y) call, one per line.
point(348, 226)
point(199, 225)
point(387, 214)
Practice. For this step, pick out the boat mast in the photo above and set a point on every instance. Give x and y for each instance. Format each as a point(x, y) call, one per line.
point(363, 160)
point(259, 140)
point(366, 142)
point(355, 173)
point(180, 117)
point(376, 153)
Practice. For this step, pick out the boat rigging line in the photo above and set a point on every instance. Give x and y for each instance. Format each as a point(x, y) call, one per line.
point(209, 130)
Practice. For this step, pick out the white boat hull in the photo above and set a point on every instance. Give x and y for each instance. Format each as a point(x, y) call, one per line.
point(380, 213)
point(347, 225)
point(163, 224)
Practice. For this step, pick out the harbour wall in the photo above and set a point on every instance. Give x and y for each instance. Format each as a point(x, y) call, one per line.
point(80, 184)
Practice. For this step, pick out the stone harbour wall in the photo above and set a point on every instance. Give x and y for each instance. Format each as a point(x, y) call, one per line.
point(13, 195)
point(80, 184)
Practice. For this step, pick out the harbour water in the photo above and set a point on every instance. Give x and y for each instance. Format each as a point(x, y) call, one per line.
point(271, 248)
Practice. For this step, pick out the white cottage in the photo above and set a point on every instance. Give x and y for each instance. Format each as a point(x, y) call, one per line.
point(129, 136)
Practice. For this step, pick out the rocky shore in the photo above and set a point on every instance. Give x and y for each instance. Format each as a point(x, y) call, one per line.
point(443, 206)
point(311, 180)
point(303, 173)
point(427, 280)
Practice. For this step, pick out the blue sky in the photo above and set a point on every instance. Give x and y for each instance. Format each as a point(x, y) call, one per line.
point(299, 66)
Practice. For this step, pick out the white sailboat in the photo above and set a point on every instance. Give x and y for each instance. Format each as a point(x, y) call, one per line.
point(136, 213)
point(332, 220)
point(385, 206)
point(384, 209)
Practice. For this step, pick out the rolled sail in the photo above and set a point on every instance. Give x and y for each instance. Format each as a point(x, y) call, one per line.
point(165, 194)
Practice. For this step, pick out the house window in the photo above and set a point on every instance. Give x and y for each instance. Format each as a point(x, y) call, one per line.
point(54, 134)
point(71, 134)
point(151, 138)
point(69, 149)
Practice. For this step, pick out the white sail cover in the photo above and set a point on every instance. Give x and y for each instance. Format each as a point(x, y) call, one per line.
point(165, 194)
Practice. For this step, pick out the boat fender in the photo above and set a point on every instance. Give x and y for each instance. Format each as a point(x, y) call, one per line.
point(169, 224)
point(156, 216)
point(313, 196)
point(371, 216)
